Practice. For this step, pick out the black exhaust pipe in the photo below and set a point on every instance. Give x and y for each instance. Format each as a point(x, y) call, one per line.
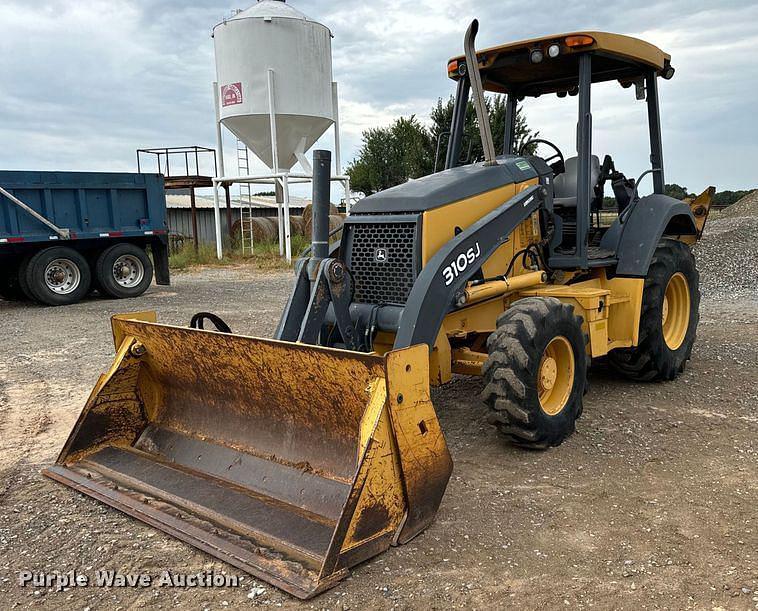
point(322, 173)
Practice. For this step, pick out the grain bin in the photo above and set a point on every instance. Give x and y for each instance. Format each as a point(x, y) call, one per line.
point(272, 55)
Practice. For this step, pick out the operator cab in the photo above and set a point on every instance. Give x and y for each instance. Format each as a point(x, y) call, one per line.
point(568, 65)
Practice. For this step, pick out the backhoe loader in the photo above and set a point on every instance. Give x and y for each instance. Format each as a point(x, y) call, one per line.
point(297, 457)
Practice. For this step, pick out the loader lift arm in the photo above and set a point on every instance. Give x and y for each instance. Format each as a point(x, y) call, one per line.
point(447, 273)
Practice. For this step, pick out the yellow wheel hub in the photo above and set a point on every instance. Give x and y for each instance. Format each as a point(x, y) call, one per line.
point(675, 316)
point(555, 378)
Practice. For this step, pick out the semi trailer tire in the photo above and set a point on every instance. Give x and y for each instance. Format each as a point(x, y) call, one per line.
point(669, 318)
point(123, 271)
point(22, 276)
point(57, 276)
point(536, 372)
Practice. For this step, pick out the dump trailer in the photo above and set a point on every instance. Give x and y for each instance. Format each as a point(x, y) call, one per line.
point(297, 457)
point(63, 234)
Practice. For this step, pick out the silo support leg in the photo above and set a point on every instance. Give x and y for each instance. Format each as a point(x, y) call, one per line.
point(279, 190)
point(287, 228)
point(217, 221)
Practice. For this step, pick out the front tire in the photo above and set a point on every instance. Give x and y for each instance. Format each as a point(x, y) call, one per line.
point(123, 271)
point(58, 276)
point(536, 372)
point(669, 317)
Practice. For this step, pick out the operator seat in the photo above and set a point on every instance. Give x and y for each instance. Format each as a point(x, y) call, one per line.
point(564, 185)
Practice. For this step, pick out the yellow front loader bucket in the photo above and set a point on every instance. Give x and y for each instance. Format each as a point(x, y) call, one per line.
point(289, 461)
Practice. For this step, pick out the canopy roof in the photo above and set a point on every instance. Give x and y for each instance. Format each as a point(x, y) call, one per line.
point(509, 68)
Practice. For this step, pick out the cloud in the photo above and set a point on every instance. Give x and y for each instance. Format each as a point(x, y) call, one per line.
point(84, 84)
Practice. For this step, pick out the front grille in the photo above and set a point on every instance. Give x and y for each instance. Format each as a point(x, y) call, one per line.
point(376, 280)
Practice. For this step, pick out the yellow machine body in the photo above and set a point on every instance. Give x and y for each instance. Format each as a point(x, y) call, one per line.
point(610, 308)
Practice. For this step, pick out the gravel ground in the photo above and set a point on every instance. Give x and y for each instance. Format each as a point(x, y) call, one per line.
point(651, 504)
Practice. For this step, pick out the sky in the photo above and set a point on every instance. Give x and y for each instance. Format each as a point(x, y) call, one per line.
point(83, 84)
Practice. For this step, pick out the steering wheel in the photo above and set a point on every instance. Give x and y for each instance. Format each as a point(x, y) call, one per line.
point(556, 162)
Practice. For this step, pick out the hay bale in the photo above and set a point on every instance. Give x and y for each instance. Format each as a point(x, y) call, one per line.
point(308, 212)
point(264, 229)
point(297, 225)
point(335, 221)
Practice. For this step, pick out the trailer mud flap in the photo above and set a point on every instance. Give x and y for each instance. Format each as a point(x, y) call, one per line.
point(291, 462)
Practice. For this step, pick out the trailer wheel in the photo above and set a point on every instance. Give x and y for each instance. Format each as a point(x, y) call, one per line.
point(22, 276)
point(124, 271)
point(669, 318)
point(58, 276)
point(536, 372)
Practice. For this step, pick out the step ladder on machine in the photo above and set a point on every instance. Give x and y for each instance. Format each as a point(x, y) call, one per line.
point(246, 200)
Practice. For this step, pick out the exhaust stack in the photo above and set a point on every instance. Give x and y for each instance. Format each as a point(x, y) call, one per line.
point(477, 91)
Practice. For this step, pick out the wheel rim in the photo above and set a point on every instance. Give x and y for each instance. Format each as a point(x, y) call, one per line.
point(62, 276)
point(128, 271)
point(675, 316)
point(555, 378)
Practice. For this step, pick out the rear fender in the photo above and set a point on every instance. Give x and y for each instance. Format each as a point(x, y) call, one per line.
point(634, 241)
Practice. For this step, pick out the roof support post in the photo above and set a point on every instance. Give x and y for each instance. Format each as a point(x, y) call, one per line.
point(584, 151)
point(458, 123)
point(509, 138)
point(654, 123)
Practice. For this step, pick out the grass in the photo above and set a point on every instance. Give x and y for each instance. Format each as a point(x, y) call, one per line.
point(265, 255)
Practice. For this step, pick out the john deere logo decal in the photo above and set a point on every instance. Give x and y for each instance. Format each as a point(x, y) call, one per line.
point(380, 255)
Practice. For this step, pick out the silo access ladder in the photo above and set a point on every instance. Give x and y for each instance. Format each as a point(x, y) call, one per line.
point(246, 200)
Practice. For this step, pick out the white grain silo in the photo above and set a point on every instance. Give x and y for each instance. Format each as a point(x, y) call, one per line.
point(272, 39)
point(274, 91)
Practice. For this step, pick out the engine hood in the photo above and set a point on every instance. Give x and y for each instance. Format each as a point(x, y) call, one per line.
point(447, 187)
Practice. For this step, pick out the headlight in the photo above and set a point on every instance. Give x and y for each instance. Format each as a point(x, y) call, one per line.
point(554, 51)
point(536, 56)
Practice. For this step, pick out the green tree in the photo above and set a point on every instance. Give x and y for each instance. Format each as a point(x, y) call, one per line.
point(391, 155)
point(471, 149)
point(406, 149)
point(722, 199)
point(676, 191)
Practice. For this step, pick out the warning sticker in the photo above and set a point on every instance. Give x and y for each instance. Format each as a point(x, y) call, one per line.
point(523, 165)
point(231, 94)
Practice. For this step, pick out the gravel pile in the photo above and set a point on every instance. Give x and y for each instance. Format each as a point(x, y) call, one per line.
point(747, 206)
point(727, 255)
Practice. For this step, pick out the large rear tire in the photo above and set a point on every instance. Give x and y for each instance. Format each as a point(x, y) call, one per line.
point(58, 276)
point(669, 317)
point(123, 271)
point(536, 372)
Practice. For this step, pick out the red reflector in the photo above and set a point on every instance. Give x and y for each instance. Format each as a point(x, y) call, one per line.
point(16, 240)
point(116, 234)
